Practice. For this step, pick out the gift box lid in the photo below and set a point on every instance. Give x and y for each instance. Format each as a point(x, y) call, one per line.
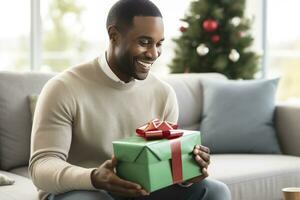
point(139, 150)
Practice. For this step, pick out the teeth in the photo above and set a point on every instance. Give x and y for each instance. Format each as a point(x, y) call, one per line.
point(147, 65)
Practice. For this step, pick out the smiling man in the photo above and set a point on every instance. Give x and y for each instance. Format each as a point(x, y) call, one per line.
point(134, 48)
point(82, 110)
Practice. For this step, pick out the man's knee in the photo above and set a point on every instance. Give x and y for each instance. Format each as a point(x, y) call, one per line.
point(81, 195)
point(216, 190)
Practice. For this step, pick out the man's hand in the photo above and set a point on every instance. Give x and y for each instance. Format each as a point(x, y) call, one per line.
point(104, 178)
point(202, 157)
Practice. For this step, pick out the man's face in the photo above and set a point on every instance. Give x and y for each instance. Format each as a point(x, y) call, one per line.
point(139, 47)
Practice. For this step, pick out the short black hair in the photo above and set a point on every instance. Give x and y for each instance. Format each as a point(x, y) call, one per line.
point(122, 12)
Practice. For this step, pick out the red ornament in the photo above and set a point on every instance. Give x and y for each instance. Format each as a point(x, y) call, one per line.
point(215, 38)
point(182, 29)
point(210, 25)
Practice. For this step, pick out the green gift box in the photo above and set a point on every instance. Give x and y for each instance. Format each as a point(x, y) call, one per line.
point(148, 162)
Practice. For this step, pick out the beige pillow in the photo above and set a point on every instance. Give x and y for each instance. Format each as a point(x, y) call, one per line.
point(5, 180)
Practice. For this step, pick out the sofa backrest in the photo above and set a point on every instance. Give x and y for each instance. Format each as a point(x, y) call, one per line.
point(188, 89)
point(15, 116)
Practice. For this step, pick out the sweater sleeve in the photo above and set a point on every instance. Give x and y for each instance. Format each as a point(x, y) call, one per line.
point(51, 140)
point(171, 111)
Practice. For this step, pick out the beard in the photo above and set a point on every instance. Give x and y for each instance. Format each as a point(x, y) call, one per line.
point(125, 64)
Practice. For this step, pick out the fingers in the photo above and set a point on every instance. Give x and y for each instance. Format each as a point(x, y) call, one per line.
point(109, 177)
point(202, 155)
point(204, 173)
point(126, 188)
point(202, 148)
point(122, 187)
point(123, 183)
point(105, 178)
point(127, 192)
point(201, 162)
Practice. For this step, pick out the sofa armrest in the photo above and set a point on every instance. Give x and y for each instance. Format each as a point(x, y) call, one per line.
point(287, 123)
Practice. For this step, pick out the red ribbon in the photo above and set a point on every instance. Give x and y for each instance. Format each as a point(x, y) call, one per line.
point(157, 129)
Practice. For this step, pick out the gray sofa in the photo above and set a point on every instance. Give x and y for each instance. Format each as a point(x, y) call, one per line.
point(249, 176)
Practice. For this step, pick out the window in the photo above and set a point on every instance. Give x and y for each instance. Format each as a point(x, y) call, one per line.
point(73, 31)
point(63, 41)
point(14, 35)
point(283, 56)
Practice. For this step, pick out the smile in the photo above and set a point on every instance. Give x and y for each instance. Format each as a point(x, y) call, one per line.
point(145, 64)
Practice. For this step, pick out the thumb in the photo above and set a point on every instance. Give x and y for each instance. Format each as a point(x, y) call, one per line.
point(114, 161)
point(111, 164)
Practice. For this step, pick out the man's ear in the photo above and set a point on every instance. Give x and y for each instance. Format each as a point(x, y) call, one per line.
point(113, 34)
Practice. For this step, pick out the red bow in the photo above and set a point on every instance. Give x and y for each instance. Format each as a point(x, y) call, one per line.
point(157, 129)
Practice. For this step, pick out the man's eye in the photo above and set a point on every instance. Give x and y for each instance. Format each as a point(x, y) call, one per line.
point(159, 44)
point(144, 42)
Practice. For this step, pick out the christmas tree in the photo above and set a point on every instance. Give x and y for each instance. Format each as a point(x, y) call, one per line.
point(215, 38)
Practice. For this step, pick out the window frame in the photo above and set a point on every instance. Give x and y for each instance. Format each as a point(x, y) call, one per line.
point(35, 35)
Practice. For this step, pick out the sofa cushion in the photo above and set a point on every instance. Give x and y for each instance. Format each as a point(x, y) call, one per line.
point(21, 171)
point(188, 91)
point(23, 188)
point(15, 117)
point(255, 176)
point(238, 116)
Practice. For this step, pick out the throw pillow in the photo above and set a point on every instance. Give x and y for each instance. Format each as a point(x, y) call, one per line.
point(5, 180)
point(238, 116)
point(32, 103)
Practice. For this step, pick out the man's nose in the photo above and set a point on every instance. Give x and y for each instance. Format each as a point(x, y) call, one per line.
point(153, 52)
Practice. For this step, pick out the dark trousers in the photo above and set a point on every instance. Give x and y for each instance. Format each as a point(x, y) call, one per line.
point(207, 189)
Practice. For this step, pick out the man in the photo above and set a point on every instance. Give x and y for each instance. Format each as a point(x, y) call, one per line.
point(82, 110)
